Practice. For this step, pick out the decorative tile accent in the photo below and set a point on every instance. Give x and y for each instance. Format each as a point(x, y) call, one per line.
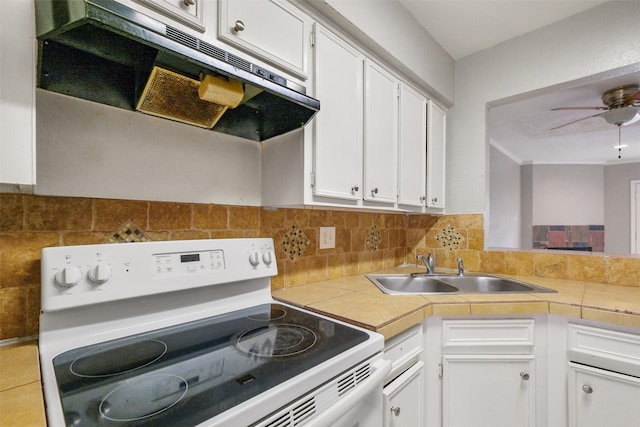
point(128, 233)
point(294, 243)
point(450, 238)
point(374, 237)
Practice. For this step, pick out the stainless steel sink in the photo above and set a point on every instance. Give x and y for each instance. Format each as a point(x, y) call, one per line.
point(491, 285)
point(410, 284)
point(398, 284)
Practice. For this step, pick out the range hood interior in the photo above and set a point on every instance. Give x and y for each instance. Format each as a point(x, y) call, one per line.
point(102, 51)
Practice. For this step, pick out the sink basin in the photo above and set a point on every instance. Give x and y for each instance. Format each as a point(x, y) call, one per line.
point(491, 285)
point(399, 284)
point(408, 284)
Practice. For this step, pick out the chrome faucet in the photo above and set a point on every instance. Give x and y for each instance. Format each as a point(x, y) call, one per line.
point(460, 267)
point(428, 262)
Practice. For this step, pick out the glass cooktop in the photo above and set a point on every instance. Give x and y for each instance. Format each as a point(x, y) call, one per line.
point(189, 373)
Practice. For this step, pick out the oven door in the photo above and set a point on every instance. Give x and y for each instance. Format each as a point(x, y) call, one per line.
point(361, 408)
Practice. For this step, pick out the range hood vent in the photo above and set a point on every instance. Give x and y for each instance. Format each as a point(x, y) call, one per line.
point(104, 52)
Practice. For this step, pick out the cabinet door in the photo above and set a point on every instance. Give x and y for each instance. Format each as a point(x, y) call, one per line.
point(412, 148)
point(273, 30)
point(403, 399)
point(381, 134)
point(488, 390)
point(602, 398)
point(17, 92)
point(337, 142)
point(436, 156)
point(190, 12)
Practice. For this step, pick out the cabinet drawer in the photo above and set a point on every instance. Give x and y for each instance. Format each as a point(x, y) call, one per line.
point(509, 336)
point(403, 350)
point(187, 12)
point(272, 30)
point(606, 349)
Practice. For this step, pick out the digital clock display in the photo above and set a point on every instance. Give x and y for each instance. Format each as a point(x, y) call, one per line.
point(189, 257)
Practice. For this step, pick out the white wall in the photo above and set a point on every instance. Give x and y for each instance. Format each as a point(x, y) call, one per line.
point(526, 206)
point(504, 202)
point(601, 40)
point(86, 149)
point(568, 195)
point(617, 206)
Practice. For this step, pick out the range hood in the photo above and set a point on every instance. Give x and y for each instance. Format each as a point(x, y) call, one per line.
point(102, 51)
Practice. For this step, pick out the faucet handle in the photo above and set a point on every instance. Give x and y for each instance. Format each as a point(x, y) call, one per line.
point(428, 262)
point(460, 266)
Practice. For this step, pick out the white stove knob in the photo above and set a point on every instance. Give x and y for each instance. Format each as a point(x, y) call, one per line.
point(267, 258)
point(100, 273)
point(254, 259)
point(68, 277)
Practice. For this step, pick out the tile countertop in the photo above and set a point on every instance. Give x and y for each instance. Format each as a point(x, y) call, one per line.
point(21, 401)
point(358, 301)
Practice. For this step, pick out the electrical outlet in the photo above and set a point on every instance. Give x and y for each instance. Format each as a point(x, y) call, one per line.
point(327, 237)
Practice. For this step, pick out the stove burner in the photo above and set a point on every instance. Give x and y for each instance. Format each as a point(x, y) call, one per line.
point(98, 362)
point(277, 340)
point(143, 397)
point(274, 314)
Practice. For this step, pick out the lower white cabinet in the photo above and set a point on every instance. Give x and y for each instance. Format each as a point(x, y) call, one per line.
point(488, 373)
point(488, 390)
point(404, 397)
point(602, 398)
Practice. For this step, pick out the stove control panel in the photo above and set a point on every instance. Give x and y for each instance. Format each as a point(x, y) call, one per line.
point(74, 276)
point(177, 264)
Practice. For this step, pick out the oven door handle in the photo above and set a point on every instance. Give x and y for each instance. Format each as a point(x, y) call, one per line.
point(380, 370)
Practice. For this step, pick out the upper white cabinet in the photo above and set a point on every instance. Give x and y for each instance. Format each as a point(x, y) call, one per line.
point(412, 148)
point(421, 151)
point(356, 130)
point(337, 138)
point(375, 143)
point(189, 12)
point(380, 134)
point(436, 156)
point(17, 92)
point(273, 30)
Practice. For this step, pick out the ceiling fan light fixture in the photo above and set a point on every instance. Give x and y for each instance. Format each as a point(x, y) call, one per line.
point(620, 116)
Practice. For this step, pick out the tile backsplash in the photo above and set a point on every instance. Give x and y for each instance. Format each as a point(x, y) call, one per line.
point(365, 242)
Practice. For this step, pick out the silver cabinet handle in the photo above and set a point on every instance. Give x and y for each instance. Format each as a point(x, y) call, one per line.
point(587, 389)
point(395, 410)
point(189, 2)
point(355, 189)
point(374, 191)
point(239, 26)
point(422, 199)
point(434, 200)
point(524, 376)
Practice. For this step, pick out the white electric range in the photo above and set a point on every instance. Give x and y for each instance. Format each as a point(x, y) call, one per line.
point(186, 333)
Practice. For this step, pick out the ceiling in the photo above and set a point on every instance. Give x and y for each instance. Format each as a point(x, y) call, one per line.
point(522, 129)
point(464, 27)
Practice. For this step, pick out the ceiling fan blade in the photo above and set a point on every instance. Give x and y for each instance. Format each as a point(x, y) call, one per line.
point(632, 98)
point(576, 121)
point(579, 108)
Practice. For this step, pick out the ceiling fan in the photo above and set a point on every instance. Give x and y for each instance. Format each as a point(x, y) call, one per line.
point(622, 106)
